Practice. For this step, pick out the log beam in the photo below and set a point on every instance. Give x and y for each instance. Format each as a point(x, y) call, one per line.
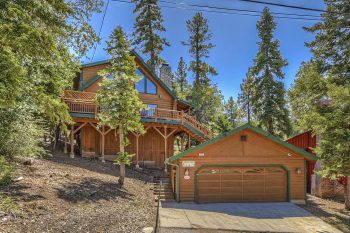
point(72, 141)
point(103, 144)
point(65, 149)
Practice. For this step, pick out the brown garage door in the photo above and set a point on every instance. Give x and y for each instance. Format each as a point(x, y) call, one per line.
point(242, 184)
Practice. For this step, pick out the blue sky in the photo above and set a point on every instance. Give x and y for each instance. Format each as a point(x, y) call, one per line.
point(235, 37)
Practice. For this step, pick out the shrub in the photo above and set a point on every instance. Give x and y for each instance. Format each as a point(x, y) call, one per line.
point(6, 170)
point(9, 206)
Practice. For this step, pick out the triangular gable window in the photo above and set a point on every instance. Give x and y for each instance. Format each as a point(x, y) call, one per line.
point(145, 85)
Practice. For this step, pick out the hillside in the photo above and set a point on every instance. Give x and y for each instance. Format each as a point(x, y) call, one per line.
point(78, 195)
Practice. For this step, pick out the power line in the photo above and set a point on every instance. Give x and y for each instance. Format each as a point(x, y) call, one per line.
point(284, 5)
point(224, 12)
point(236, 9)
point(99, 33)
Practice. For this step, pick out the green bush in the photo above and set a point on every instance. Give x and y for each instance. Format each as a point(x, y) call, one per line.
point(123, 158)
point(6, 170)
point(9, 206)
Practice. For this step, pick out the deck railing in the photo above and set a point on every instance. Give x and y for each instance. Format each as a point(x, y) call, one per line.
point(84, 102)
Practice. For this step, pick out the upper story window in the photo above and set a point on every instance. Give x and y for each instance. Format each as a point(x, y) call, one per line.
point(145, 85)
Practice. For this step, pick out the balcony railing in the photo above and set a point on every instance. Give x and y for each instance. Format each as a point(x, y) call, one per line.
point(84, 102)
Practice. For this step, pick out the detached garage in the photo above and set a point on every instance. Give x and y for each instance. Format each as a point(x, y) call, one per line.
point(246, 164)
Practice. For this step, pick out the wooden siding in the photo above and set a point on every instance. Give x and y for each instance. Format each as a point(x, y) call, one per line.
point(305, 141)
point(256, 150)
point(163, 99)
point(151, 145)
point(91, 72)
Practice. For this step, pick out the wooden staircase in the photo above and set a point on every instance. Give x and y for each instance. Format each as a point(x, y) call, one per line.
point(166, 193)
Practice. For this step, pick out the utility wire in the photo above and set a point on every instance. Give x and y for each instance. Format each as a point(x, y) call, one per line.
point(181, 7)
point(101, 26)
point(235, 9)
point(293, 7)
point(284, 5)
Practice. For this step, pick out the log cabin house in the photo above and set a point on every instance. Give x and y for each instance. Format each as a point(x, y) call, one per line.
point(166, 117)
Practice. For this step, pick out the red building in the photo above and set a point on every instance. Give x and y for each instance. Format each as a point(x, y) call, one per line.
point(307, 142)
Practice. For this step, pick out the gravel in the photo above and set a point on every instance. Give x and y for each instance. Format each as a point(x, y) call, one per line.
point(60, 194)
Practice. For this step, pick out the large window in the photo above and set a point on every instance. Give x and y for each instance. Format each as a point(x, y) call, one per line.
point(145, 85)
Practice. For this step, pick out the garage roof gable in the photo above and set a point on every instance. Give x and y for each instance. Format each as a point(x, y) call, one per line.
point(238, 129)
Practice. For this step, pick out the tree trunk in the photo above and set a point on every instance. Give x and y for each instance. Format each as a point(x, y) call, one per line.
point(121, 149)
point(347, 194)
point(122, 174)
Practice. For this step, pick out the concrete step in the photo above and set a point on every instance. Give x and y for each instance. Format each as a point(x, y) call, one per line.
point(161, 179)
point(163, 194)
point(162, 188)
point(164, 199)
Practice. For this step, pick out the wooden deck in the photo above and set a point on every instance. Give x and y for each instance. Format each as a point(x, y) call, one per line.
point(84, 103)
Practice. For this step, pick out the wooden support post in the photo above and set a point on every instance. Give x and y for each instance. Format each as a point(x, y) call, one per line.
point(72, 141)
point(189, 141)
point(137, 150)
point(182, 142)
point(165, 136)
point(165, 148)
point(65, 149)
point(103, 145)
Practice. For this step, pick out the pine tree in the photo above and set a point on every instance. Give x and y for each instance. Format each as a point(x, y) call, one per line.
point(119, 100)
point(181, 86)
point(232, 113)
point(329, 117)
point(245, 97)
point(222, 124)
point(308, 89)
point(148, 26)
point(205, 97)
point(36, 65)
point(199, 46)
point(269, 101)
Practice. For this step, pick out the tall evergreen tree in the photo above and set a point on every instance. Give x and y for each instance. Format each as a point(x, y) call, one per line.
point(181, 85)
point(269, 95)
point(231, 111)
point(305, 94)
point(199, 46)
point(36, 65)
point(328, 112)
point(245, 98)
point(119, 100)
point(205, 97)
point(148, 26)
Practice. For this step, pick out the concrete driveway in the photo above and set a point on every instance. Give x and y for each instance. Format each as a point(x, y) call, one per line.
point(241, 217)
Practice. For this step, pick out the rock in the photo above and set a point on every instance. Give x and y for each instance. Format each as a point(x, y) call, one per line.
point(2, 214)
point(147, 230)
point(6, 219)
point(19, 179)
point(29, 161)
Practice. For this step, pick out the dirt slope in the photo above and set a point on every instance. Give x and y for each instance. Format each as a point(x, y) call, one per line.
point(79, 195)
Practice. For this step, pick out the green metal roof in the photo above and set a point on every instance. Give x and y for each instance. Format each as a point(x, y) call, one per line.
point(238, 129)
point(155, 76)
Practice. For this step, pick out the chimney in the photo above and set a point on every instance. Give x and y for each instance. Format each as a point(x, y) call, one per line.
point(166, 75)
